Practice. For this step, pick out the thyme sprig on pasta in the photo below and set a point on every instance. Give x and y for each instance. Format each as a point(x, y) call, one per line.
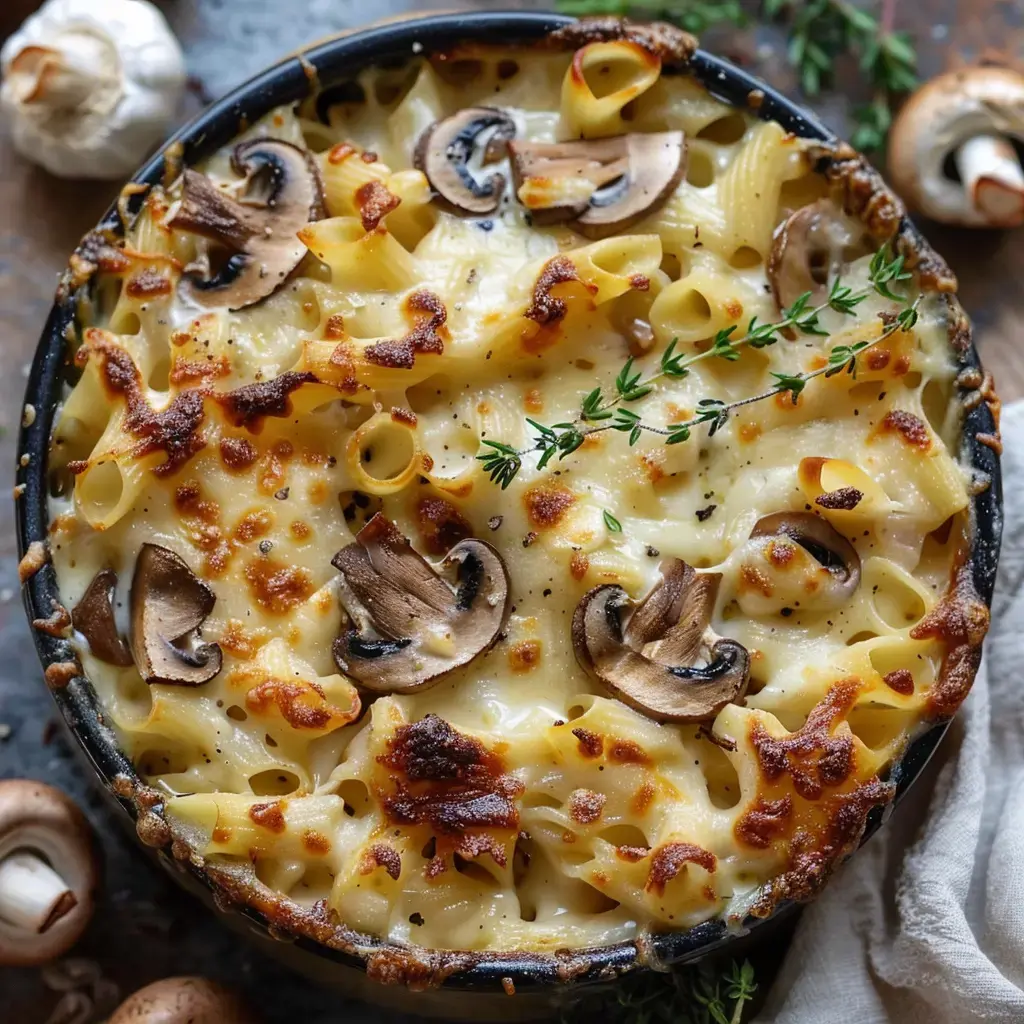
point(599, 413)
point(819, 33)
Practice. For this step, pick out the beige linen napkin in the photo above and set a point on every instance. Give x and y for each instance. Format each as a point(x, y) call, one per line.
point(925, 925)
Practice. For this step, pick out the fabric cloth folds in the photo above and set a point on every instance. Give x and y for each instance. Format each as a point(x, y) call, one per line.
point(925, 924)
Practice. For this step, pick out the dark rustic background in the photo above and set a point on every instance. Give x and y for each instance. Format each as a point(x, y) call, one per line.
point(145, 928)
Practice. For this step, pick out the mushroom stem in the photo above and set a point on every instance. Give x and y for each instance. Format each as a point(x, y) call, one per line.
point(992, 175)
point(32, 895)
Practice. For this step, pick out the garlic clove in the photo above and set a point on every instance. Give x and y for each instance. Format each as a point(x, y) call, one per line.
point(91, 86)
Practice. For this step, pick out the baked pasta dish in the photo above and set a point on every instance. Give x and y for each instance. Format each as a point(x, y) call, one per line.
point(513, 502)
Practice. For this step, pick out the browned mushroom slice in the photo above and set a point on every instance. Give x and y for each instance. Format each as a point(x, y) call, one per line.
point(169, 603)
point(822, 541)
point(448, 149)
point(606, 185)
point(664, 660)
point(407, 625)
point(93, 617)
point(259, 233)
point(809, 250)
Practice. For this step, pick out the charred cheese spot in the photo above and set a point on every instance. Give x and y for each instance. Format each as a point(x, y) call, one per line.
point(669, 859)
point(441, 524)
point(909, 428)
point(455, 787)
point(578, 564)
point(764, 821)
point(546, 308)
point(380, 855)
point(627, 752)
point(315, 843)
point(148, 284)
point(269, 816)
point(525, 655)
point(589, 743)
point(237, 453)
point(276, 587)
point(428, 315)
point(375, 201)
point(901, 680)
point(302, 705)
point(546, 506)
point(250, 405)
point(813, 756)
point(174, 431)
point(585, 806)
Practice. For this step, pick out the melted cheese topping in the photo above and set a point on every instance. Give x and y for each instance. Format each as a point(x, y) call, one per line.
point(515, 804)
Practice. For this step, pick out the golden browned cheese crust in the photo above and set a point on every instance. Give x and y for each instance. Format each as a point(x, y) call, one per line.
point(521, 778)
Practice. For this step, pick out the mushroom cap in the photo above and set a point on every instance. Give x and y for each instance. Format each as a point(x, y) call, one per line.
point(40, 819)
point(407, 626)
point(652, 663)
point(838, 559)
point(808, 251)
point(168, 605)
point(184, 1000)
point(284, 193)
point(940, 117)
point(657, 163)
point(445, 149)
point(607, 185)
point(93, 617)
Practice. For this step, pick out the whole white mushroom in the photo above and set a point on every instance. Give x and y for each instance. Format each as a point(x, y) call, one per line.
point(91, 86)
point(954, 148)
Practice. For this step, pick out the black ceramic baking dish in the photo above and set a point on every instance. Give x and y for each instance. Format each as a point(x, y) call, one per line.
point(452, 986)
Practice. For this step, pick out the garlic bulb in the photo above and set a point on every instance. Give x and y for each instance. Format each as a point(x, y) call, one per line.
point(91, 86)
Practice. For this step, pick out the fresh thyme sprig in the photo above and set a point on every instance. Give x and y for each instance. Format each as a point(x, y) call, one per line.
point(599, 412)
point(687, 995)
point(693, 15)
point(819, 31)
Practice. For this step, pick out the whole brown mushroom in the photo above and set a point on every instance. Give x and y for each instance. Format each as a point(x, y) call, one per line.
point(184, 1000)
point(954, 150)
point(48, 873)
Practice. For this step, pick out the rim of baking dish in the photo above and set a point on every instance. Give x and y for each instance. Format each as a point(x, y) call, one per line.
point(291, 80)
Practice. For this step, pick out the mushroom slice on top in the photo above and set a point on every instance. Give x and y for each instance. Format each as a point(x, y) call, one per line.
point(826, 545)
point(664, 660)
point(283, 193)
point(809, 251)
point(168, 605)
point(407, 625)
point(93, 617)
point(606, 185)
point(446, 151)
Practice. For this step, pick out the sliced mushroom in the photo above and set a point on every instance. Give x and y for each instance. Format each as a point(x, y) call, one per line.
point(447, 150)
point(664, 660)
point(283, 193)
point(604, 185)
point(169, 603)
point(407, 626)
point(93, 617)
point(182, 1001)
point(48, 873)
point(801, 559)
point(809, 251)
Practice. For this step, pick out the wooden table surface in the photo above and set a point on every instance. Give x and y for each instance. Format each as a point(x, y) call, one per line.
point(145, 930)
